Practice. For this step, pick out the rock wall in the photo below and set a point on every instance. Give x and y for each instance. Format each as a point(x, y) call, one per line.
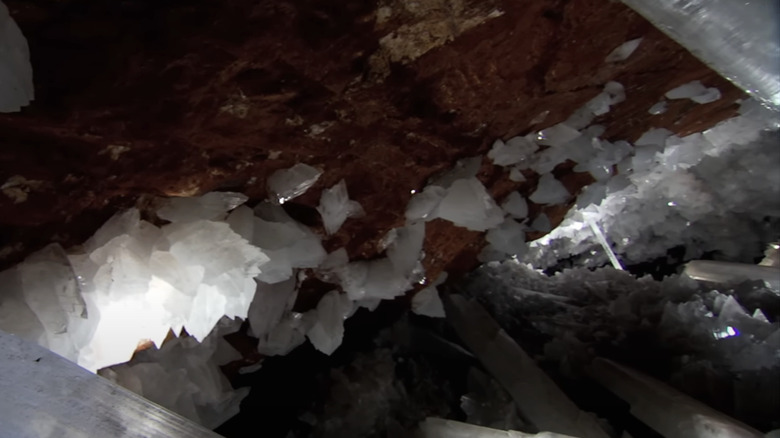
point(142, 98)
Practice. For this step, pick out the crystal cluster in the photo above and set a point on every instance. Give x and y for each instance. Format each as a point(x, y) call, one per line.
point(184, 376)
point(134, 282)
point(713, 191)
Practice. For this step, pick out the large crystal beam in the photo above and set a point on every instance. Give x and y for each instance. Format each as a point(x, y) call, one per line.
point(536, 395)
point(727, 272)
point(738, 39)
point(668, 411)
point(441, 428)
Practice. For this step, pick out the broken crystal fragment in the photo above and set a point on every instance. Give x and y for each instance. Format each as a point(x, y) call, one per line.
point(513, 151)
point(709, 95)
point(426, 302)
point(687, 91)
point(405, 246)
point(15, 315)
point(541, 223)
point(509, 238)
point(516, 175)
point(592, 194)
point(463, 169)
point(328, 330)
point(546, 160)
point(16, 76)
point(241, 221)
point(654, 137)
point(286, 184)
point(549, 191)
point(467, 204)
point(335, 207)
point(515, 205)
point(557, 135)
point(288, 243)
point(615, 91)
point(623, 51)
point(287, 335)
point(270, 304)
point(658, 108)
point(211, 206)
point(423, 205)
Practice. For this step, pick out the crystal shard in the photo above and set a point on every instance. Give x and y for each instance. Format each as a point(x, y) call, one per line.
point(211, 206)
point(16, 76)
point(558, 135)
point(423, 205)
point(335, 207)
point(623, 51)
point(513, 151)
point(515, 205)
point(271, 302)
point(463, 169)
point(468, 205)
point(426, 302)
point(328, 330)
point(549, 191)
point(290, 183)
point(509, 238)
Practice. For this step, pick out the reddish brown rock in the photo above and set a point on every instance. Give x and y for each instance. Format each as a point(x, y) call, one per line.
point(177, 98)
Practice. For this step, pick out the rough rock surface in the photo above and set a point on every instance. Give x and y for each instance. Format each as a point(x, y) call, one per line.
point(140, 98)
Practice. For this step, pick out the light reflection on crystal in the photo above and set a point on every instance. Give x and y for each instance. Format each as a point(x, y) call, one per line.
point(728, 332)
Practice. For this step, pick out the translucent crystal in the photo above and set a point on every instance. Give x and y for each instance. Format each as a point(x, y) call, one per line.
point(513, 151)
point(241, 221)
point(467, 204)
point(687, 91)
point(290, 183)
point(427, 302)
point(509, 238)
point(558, 135)
point(16, 79)
point(623, 51)
point(335, 207)
point(656, 136)
point(516, 175)
point(710, 95)
point(658, 108)
point(423, 205)
point(211, 206)
point(270, 304)
point(541, 223)
point(549, 191)
point(328, 330)
point(515, 205)
point(463, 169)
point(405, 246)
